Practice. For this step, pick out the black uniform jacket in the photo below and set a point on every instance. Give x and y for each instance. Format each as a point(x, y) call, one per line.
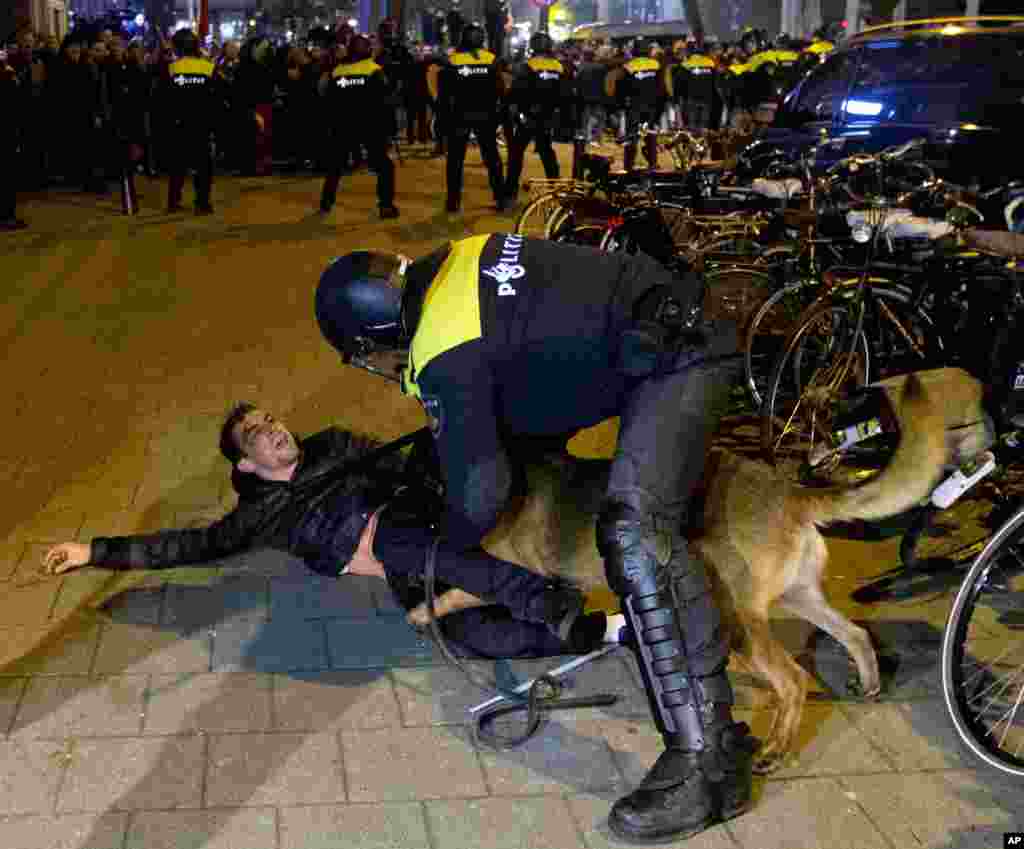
point(318, 515)
point(517, 336)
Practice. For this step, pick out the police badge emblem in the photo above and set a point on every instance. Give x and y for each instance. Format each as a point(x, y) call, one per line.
point(435, 414)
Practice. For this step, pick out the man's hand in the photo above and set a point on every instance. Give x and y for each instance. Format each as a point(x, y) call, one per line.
point(67, 556)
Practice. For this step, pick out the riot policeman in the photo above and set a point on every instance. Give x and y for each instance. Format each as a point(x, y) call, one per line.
point(638, 86)
point(701, 81)
point(522, 336)
point(361, 115)
point(191, 101)
point(468, 93)
point(539, 87)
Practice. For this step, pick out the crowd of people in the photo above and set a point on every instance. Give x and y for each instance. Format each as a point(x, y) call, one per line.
point(93, 110)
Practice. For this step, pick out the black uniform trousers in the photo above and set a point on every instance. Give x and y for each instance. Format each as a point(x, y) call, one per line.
point(458, 138)
point(189, 149)
point(650, 143)
point(346, 146)
point(521, 138)
point(8, 181)
point(666, 426)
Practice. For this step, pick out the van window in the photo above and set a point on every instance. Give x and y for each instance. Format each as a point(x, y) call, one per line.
point(822, 93)
point(939, 80)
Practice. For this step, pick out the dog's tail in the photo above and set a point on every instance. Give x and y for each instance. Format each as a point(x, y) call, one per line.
point(911, 475)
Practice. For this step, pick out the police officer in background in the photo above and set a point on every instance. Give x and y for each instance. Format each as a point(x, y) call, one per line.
point(361, 115)
point(527, 337)
point(469, 89)
point(638, 87)
point(496, 16)
point(190, 107)
point(12, 104)
point(539, 87)
point(701, 90)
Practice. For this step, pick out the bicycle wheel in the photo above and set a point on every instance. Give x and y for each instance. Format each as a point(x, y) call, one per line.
point(822, 361)
point(533, 220)
point(767, 330)
point(983, 653)
point(734, 293)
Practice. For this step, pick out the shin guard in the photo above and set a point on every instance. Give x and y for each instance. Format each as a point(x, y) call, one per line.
point(673, 624)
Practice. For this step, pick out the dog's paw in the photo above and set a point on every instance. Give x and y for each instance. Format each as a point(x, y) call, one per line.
point(766, 763)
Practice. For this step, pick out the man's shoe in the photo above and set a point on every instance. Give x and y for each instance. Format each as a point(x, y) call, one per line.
point(452, 208)
point(558, 607)
point(389, 212)
point(204, 209)
point(686, 792)
point(12, 224)
point(172, 208)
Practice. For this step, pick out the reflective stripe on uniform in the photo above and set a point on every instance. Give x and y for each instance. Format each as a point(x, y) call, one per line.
point(483, 57)
point(192, 66)
point(356, 69)
point(451, 309)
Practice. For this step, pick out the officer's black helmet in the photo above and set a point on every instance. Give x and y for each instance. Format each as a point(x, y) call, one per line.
point(359, 303)
point(473, 37)
point(541, 44)
point(359, 48)
point(185, 42)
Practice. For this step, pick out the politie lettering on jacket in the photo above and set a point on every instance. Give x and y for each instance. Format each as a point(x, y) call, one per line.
point(183, 80)
point(508, 266)
point(466, 71)
point(644, 75)
point(345, 82)
point(549, 75)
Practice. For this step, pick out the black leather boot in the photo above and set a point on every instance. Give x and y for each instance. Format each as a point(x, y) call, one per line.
point(688, 791)
point(704, 776)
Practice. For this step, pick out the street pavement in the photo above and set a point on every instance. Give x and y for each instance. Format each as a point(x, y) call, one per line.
point(248, 704)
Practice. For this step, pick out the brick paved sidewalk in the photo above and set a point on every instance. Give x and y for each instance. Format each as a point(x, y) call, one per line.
point(247, 704)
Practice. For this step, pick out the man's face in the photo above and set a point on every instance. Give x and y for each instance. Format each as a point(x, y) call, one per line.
point(74, 53)
point(231, 50)
point(117, 51)
point(26, 44)
point(266, 444)
point(98, 52)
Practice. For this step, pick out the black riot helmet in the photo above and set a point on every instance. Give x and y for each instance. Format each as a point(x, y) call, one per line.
point(359, 48)
point(359, 303)
point(473, 38)
point(541, 44)
point(185, 42)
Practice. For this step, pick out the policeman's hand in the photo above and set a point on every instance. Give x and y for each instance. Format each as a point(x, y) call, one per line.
point(67, 556)
point(259, 121)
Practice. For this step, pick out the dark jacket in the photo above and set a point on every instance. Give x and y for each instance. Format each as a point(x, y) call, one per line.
point(318, 515)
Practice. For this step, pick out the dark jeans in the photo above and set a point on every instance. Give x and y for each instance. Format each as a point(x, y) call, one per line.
point(190, 150)
point(346, 145)
point(493, 632)
point(517, 152)
point(458, 138)
point(402, 548)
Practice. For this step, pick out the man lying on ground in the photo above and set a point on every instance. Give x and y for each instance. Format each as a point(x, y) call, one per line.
point(305, 497)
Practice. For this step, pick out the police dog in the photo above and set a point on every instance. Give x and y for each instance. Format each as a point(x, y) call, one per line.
point(759, 537)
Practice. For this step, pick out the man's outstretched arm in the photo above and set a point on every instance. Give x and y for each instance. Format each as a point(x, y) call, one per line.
point(161, 550)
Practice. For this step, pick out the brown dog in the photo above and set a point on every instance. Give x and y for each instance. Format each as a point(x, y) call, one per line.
point(759, 538)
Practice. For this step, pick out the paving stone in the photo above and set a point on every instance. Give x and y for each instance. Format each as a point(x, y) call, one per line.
point(30, 775)
point(274, 769)
point(409, 763)
point(808, 813)
point(73, 831)
point(125, 597)
point(268, 563)
point(635, 745)
point(319, 597)
point(914, 736)
point(1002, 795)
point(827, 743)
point(927, 810)
point(139, 649)
point(328, 701)
point(503, 824)
point(11, 691)
point(264, 645)
point(384, 600)
point(52, 526)
point(208, 606)
point(243, 828)
point(59, 706)
point(382, 642)
point(132, 774)
point(208, 701)
point(559, 758)
point(590, 813)
point(28, 605)
point(387, 826)
point(65, 648)
point(439, 695)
